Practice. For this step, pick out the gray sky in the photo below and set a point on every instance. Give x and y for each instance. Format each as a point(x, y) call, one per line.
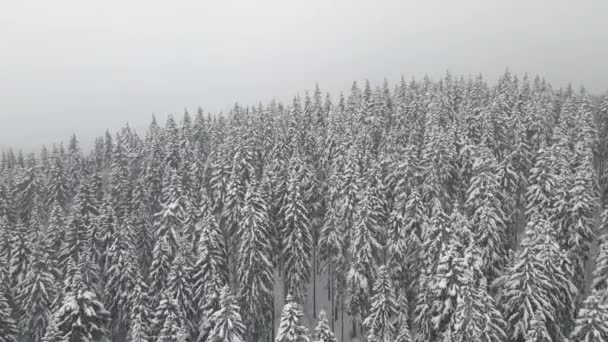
point(84, 66)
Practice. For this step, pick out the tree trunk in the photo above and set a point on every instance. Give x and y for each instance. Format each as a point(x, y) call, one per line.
point(314, 281)
point(342, 336)
point(331, 295)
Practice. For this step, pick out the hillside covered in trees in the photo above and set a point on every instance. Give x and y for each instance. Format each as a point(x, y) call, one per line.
point(447, 210)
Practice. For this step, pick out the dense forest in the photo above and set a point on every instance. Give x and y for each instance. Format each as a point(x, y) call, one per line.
point(449, 210)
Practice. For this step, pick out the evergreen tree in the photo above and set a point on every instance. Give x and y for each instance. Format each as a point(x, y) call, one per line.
point(584, 207)
point(540, 195)
point(380, 322)
point(121, 278)
point(105, 233)
point(255, 267)
point(475, 316)
point(323, 332)
point(208, 306)
point(172, 330)
point(364, 249)
point(57, 186)
point(20, 251)
point(592, 321)
point(537, 283)
point(408, 246)
point(51, 334)
point(402, 324)
point(179, 286)
point(38, 291)
point(228, 325)
point(170, 218)
point(55, 231)
point(600, 273)
point(446, 284)
point(484, 207)
point(290, 326)
point(168, 319)
point(212, 258)
point(81, 317)
point(139, 314)
point(297, 246)
point(119, 188)
point(538, 331)
point(8, 327)
point(161, 265)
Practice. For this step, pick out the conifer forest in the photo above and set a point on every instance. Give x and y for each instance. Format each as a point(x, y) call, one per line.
point(454, 209)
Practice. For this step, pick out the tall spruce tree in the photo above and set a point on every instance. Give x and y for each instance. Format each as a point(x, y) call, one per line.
point(297, 245)
point(380, 323)
point(291, 328)
point(255, 267)
point(228, 325)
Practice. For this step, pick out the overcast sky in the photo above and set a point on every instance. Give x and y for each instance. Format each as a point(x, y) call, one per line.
point(84, 66)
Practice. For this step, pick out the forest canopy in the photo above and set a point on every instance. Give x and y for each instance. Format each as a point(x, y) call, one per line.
point(434, 210)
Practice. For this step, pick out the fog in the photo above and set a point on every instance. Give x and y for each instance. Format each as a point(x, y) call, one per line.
point(84, 66)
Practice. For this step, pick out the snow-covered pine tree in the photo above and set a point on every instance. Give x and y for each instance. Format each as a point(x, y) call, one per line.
point(139, 313)
point(513, 173)
point(20, 250)
point(91, 274)
point(540, 194)
point(141, 221)
point(255, 269)
point(475, 316)
point(57, 184)
point(446, 284)
point(537, 282)
point(323, 332)
point(227, 323)
point(380, 323)
point(51, 333)
point(38, 291)
point(119, 185)
point(179, 286)
point(168, 318)
point(212, 259)
point(160, 267)
point(172, 329)
point(297, 245)
point(120, 278)
point(81, 316)
point(105, 230)
point(592, 321)
point(169, 220)
point(242, 172)
point(55, 231)
point(414, 220)
point(330, 250)
point(436, 236)
point(584, 206)
point(209, 304)
point(364, 251)
point(538, 331)
point(600, 273)
point(4, 251)
point(291, 328)
point(437, 157)
point(30, 192)
point(137, 330)
point(485, 211)
point(77, 240)
point(402, 324)
point(85, 204)
point(8, 327)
